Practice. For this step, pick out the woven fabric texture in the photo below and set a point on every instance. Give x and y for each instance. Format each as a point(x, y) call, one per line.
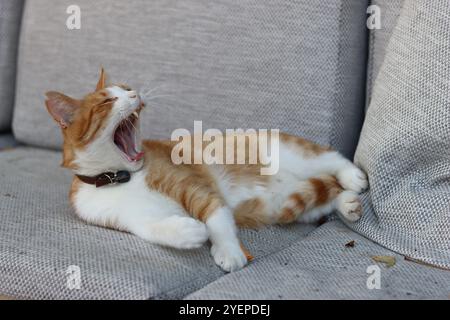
point(379, 39)
point(294, 65)
point(404, 145)
point(322, 267)
point(41, 238)
point(10, 17)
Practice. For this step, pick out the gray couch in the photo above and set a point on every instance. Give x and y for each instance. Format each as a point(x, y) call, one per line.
point(310, 68)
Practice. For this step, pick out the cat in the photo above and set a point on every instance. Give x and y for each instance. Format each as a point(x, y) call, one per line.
point(129, 184)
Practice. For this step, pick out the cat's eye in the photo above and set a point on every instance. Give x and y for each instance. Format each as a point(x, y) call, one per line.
point(109, 100)
point(125, 87)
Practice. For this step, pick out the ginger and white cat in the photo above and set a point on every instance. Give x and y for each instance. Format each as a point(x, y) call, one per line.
point(182, 206)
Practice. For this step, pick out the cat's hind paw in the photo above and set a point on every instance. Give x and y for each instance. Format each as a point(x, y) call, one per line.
point(349, 205)
point(352, 178)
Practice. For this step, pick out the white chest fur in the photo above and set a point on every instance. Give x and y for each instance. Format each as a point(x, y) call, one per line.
point(121, 204)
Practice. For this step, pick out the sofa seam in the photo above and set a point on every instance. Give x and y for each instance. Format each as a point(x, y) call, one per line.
point(339, 67)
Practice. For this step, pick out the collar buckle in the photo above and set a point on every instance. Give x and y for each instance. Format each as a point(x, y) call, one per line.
point(112, 178)
point(106, 178)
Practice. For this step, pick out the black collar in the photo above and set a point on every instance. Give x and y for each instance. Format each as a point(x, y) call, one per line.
point(106, 178)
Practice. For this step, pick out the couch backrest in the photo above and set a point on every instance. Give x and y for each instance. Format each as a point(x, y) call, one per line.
point(294, 65)
point(10, 17)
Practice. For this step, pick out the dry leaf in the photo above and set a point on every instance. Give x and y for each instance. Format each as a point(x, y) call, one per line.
point(389, 261)
point(350, 244)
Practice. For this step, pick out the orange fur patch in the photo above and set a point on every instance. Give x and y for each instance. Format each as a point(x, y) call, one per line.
point(190, 185)
point(313, 193)
point(247, 254)
point(89, 119)
point(308, 148)
point(252, 213)
point(320, 191)
point(287, 215)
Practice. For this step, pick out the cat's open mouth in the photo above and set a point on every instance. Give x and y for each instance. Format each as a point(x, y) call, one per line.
point(126, 138)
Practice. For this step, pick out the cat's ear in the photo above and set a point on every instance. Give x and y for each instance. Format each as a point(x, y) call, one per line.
point(61, 107)
point(101, 81)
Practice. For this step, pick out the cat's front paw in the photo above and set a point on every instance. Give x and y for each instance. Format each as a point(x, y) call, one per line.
point(352, 178)
point(349, 205)
point(188, 233)
point(229, 257)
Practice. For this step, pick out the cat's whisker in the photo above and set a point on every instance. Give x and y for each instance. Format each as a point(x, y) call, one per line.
point(158, 96)
point(147, 92)
point(149, 96)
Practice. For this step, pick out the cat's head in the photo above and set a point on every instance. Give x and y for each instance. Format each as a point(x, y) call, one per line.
point(101, 131)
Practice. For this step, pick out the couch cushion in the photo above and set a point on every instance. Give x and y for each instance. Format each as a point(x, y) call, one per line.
point(298, 66)
point(379, 39)
point(10, 18)
point(7, 141)
point(405, 144)
point(40, 238)
point(322, 267)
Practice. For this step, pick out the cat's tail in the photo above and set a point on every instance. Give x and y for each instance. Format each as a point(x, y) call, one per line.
point(311, 193)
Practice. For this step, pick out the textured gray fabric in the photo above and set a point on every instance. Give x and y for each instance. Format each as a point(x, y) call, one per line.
point(40, 238)
point(321, 267)
point(7, 141)
point(404, 145)
point(294, 65)
point(379, 39)
point(10, 18)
